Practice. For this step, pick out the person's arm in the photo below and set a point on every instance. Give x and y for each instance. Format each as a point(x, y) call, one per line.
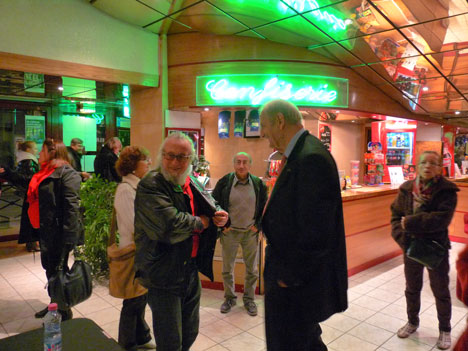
point(436, 220)
point(262, 199)
point(71, 217)
point(159, 219)
point(398, 232)
point(124, 204)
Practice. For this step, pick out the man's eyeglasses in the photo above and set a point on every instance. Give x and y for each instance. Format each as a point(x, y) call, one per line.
point(181, 157)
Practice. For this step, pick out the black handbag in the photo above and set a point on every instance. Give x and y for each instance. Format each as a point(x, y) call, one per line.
point(427, 252)
point(69, 287)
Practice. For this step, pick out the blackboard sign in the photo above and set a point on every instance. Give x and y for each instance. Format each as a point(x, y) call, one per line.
point(325, 135)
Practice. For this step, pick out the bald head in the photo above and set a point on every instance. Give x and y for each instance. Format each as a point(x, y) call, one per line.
point(291, 114)
point(280, 120)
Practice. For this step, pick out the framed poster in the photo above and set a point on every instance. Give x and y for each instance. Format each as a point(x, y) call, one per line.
point(252, 125)
point(35, 129)
point(193, 134)
point(324, 132)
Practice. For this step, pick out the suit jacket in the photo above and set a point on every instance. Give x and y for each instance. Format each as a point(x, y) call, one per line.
point(303, 224)
point(222, 191)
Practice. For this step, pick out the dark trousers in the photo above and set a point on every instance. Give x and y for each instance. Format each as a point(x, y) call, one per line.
point(287, 325)
point(439, 280)
point(176, 315)
point(50, 260)
point(133, 329)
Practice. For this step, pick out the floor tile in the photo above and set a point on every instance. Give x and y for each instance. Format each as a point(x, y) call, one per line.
point(377, 309)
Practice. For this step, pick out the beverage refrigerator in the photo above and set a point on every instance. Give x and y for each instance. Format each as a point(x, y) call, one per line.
point(398, 138)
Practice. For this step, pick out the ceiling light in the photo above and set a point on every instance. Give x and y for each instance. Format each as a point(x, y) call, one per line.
point(425, 88)
point(206, 108)
point(348, 21)
point(337, 111)
point(60, 88)
point(457, 112)
point(353, 121)
point(426, 124)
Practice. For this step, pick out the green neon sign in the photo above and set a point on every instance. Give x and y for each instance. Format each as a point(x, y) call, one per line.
point(256, 89)
point(336, 23)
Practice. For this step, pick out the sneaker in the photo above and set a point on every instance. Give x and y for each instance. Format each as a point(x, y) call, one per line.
point(41, 313)
point(227, 304)
point(444, 341)
point(406, 330)
point(251, 308)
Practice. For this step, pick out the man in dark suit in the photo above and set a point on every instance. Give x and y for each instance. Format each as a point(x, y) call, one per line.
point(305, 260)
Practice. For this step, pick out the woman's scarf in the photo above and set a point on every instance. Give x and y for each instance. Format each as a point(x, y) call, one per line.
point(33, 192)
point(423, 190)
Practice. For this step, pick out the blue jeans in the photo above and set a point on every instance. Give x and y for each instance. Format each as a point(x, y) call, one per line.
point(133, 329)
point(176, 317)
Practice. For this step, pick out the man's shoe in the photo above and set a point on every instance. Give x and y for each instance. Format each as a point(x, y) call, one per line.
point(41, 313)
point(150, 345)
point(406, 330)
point(444, 341)
point(227, 304)
point(251, 308)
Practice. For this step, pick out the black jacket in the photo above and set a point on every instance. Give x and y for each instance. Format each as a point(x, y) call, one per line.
point(104, 165)
point(59, 211)
point(164, 228)
point(75, 159)
point(304, 226)
point(23, 173)
point(431, 220)
point(223, 188)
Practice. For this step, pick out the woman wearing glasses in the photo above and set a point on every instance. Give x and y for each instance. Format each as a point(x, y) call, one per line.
point(132, 165)
point(424, 209)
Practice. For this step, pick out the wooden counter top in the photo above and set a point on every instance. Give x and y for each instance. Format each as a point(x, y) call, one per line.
point(368, 192)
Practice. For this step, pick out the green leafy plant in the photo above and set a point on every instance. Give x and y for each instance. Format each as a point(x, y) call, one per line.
point(97, 199)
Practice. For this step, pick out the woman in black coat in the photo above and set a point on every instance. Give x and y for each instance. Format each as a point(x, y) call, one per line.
point(51, 210)
point(27, 166)
point(424, 209)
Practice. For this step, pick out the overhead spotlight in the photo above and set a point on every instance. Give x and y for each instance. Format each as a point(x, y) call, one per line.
point(425, 88)
point(353, 121)
point(426, 124)
point(60, 88)
point(457, 112)
point(337, 111)
point(206, 108)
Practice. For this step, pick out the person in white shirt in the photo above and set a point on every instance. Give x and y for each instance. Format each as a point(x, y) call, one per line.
point(132, 165)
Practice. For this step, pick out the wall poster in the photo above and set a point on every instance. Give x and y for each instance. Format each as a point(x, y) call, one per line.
point(239, 122)
point(324, 133)
point(224, 122)
point(35, 129)
point(252, 125)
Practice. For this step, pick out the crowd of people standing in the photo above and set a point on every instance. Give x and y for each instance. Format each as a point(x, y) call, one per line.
point(173, 223)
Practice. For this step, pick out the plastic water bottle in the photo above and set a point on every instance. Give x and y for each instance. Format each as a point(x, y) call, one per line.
point(52, 331)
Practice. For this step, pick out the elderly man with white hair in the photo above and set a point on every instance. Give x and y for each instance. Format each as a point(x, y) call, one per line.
point(175, 235)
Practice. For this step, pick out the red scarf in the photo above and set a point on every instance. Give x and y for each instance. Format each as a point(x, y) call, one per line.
point(33, 192)
point(196, 237)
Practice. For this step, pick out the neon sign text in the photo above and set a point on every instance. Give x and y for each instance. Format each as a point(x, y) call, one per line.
point(254, 90)
point(307, 5)
point(98, 117)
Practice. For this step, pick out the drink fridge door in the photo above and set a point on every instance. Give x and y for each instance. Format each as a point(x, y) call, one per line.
point(399, 148)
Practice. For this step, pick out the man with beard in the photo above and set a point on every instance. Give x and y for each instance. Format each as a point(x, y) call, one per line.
point(75, 153)
point(175, 235)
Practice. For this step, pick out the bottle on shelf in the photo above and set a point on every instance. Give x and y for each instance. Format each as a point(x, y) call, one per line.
point(52, 330)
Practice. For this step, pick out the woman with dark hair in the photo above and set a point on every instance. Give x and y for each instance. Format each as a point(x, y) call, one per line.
point(51, 211)
point(132, 165)
point(423, 210)
point(20, 177)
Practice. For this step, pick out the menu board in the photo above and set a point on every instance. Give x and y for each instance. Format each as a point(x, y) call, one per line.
point(325, 135)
